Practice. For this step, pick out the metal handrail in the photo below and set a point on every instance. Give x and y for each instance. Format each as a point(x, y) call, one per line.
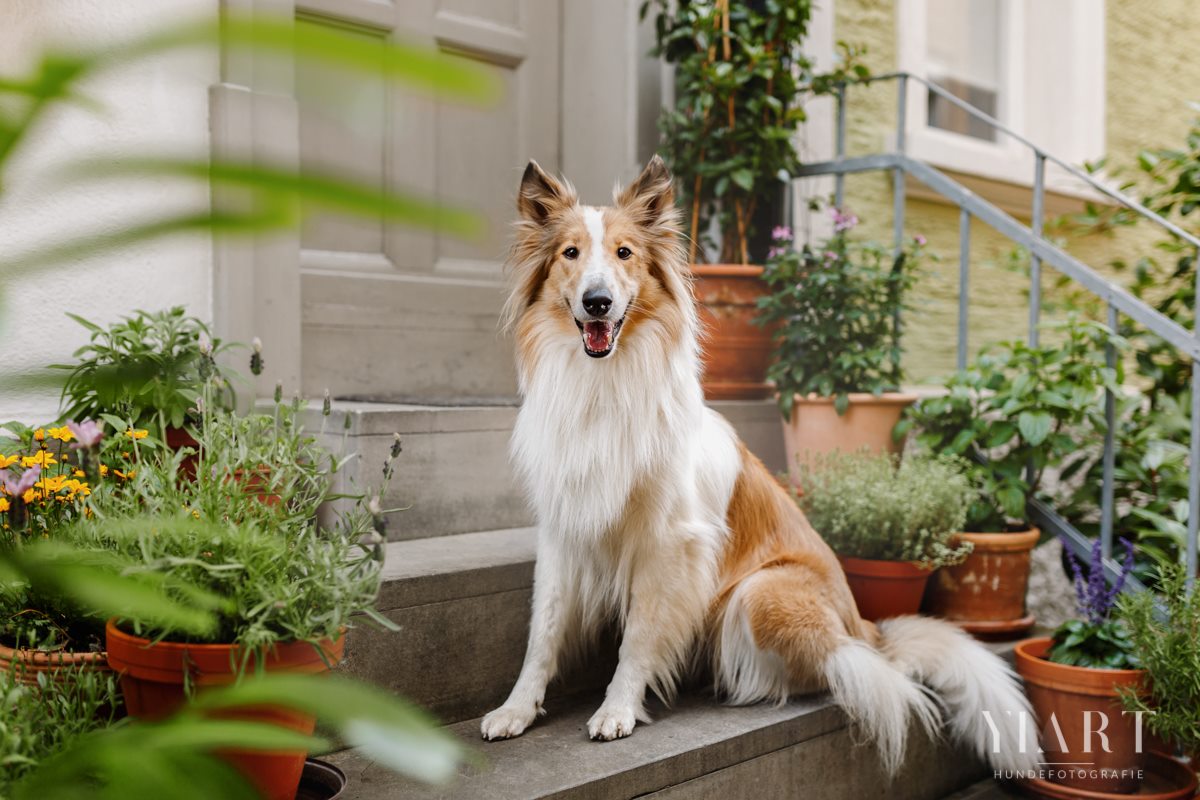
point(1074, 171)
point(1117, 300)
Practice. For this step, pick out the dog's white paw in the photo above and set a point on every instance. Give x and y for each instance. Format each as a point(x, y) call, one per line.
point(506, 722)
point(611, 723)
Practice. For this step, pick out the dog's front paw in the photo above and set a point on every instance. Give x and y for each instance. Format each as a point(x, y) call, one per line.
point(611, 723)
point(506, 722)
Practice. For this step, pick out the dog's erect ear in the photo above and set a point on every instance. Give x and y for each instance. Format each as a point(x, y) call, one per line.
point(651, 195)
point(540, 194)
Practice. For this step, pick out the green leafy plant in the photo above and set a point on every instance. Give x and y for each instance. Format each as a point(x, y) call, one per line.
point(877, 507)
point(39, 720)
point(740, 74)
point(1096, 639)
point(146, 370)
point(1015, 412)
point(833, 310)
point(1167, 641)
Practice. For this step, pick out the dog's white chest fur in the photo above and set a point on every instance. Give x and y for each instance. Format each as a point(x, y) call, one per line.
point(591, 435)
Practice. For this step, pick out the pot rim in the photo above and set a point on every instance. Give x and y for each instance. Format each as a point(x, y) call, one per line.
point(1034, 667)
point(882, 568)
point(1006, 542)
point(132, 640)
point(862, 398)
point(726, 270)
point(50, 658)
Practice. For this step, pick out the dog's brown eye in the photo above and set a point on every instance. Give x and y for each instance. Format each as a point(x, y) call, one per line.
point(624, 253)
point(571, 253)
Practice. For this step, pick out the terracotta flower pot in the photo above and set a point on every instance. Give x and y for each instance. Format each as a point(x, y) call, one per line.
point(1075, 697)
point(257, 482)
point(152, 680)
point(985, 594)
point(885, 589)
point(815, 428)
point(26, 664)
point(179, 438)
point(736, 352)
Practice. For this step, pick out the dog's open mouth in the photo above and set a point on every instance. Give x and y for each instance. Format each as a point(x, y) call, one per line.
point(599, 336)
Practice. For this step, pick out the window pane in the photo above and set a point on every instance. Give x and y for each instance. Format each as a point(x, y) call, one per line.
point(963, 52)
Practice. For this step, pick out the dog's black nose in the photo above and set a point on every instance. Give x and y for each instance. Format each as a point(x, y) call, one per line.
point(596, 302)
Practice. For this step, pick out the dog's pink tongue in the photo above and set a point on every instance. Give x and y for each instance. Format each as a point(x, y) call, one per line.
point(597, 335)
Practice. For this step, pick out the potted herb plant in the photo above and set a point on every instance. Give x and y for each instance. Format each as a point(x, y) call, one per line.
point(889, 522)
point(836, 362)
point(47, 476)
point(739, 75)
point(288, 585)
point(1164, 630)
point(1074, 680)
point(1014, 414)
point(147, 372)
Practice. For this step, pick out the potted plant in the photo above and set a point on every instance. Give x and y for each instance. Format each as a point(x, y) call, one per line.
point(1075, 680)
point(1164, 630)
point(1014, 414)
point(46, 480)
point(146, 372)
point(288, 586)
point(836, 364)
point(889, 522)
point(739, 74)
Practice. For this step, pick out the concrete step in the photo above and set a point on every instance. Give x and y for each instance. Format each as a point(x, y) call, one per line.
point(697, 749)
point(462, 603)
point(454, 475)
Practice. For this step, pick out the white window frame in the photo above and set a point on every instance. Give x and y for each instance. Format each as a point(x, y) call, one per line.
point(1005, 159)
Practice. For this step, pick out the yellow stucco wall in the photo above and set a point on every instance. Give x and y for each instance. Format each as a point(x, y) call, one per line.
point(1152, 71)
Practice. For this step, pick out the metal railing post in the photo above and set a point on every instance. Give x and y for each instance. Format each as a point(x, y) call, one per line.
point(1193, 526)
point(1035, 261)
point(1110, 449)
point(839, 181)
point(964, 278)
point(898, 173)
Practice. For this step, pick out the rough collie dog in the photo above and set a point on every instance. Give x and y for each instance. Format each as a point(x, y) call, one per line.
point(652, 513)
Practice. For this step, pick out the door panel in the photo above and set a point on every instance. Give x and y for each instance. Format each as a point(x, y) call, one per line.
point(392, 313)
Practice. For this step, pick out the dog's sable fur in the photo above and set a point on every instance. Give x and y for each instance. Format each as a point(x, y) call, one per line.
point(652, 513)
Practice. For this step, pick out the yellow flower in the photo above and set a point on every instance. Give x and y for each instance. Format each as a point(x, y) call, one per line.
point(40, 458)
point(8, 461)
point(126, 475)
point(103, 470)
point(3, 505)
point(39, 435)
point(79, 473)
point(196, 514)
point(31, 495)
point(132, 434)
point(63, 434)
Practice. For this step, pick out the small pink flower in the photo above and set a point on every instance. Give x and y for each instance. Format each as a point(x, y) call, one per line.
point(920, 240)
point(776, 252)
point(87, 434)
point(18, 486)
point(830, 255)
point(781, 233)
point(842, 220)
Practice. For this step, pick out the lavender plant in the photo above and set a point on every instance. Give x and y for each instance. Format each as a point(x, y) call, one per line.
point(1096, 639)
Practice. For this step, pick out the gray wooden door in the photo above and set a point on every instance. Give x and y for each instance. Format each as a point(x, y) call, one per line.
point(399, 314)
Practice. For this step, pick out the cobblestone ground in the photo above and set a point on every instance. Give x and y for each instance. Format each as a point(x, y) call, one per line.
point(1051, 597)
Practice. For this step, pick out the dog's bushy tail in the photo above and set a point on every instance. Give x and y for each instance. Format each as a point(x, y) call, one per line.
point(879, 698)
point(981, 697)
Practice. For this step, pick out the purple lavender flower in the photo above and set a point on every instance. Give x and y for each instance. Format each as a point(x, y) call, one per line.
point(1093, 597)
point(87, 434)
point(842, 220)
point(781, 233)
point(18, 486)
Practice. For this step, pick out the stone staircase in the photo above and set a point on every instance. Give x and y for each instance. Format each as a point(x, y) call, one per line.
point(458, 581)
